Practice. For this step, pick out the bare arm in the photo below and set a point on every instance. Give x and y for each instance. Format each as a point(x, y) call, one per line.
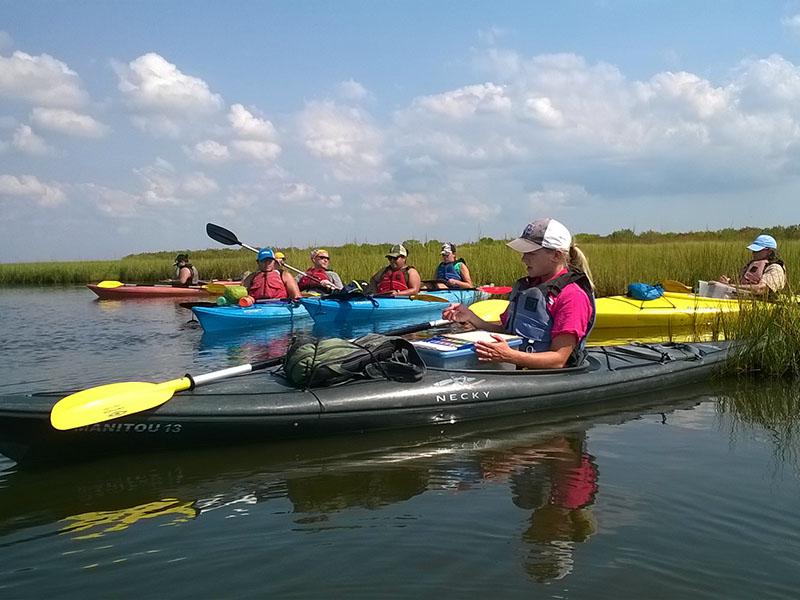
point(462, 314)
point(292, 289)
point(466, 279)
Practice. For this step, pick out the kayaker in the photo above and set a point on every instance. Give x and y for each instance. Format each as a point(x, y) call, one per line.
point(765, 273)
point(185, 272)
point(398, 278)
point(452, 272)
point(552, 309)
point(268, 281)
point(319, 278)
point(279, 258)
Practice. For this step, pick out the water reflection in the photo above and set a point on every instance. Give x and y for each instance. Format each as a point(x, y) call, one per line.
point(771, 405)
point(542, 465)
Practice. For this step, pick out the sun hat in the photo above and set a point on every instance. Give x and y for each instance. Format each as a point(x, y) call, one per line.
point(265, 253)
point(397, 250)
point(542, 233)
point(181, 258)
point(448, 247)
point(280, 255)
point(763, 241)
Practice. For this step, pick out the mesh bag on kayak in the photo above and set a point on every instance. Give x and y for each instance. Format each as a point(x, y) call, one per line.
point(319, 362)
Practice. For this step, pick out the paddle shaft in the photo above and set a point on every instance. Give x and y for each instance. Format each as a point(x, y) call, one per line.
point(227, 237)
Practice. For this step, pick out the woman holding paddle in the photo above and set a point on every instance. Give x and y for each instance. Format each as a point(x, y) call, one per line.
point(268, 282)
point(319, 278)
point(552, 309)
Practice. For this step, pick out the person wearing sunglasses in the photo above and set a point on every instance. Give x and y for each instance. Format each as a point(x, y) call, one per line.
point(319, 277)
point(398, 278)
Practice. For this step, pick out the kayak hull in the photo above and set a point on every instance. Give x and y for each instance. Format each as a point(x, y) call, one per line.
point(262, 406)
point(133, 290)
point(671, 310)
point(236, 318)
point(328, 311)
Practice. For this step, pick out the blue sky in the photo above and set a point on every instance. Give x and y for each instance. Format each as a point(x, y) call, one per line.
point(126, 126)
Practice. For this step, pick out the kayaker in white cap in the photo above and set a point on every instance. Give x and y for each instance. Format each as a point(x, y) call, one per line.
point(452, 272)
point(764, 274)
point(552, 309)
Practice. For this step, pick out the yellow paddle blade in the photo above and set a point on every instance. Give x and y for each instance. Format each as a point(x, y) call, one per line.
point(670, 285)
point(110, 284)
point(489, 310)
point(112, 401)
point(215, 288)
point(429, 298)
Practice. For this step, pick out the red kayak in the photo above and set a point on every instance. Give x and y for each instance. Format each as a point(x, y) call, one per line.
point(135, 290)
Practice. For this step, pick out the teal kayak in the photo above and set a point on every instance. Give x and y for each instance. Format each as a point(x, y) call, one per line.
point(327, 310)
point(231, 318)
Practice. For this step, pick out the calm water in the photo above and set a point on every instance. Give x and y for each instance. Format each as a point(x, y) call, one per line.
point(694, 493)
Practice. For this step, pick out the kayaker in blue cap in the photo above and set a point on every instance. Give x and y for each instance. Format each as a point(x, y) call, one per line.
point(268, 281)
point(552, 309)
point(764, 274)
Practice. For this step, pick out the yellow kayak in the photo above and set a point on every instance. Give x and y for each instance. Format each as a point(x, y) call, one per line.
point(619, 312)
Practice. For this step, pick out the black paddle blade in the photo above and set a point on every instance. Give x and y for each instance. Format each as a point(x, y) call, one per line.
point(222, 235)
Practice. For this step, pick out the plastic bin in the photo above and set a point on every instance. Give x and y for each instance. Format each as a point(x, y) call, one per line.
point(460, 358)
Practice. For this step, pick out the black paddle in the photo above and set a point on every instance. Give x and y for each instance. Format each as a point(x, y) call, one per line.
point(227, 237)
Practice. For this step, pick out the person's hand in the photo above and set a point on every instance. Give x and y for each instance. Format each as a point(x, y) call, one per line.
point(457, 312)
point(328, 285)
point(725, 279)
point(496, 351)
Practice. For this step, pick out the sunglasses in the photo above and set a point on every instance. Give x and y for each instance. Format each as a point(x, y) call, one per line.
point(324, 257)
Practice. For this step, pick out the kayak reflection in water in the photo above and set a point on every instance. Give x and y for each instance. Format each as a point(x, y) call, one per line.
point(557, 481)
point(552, 309)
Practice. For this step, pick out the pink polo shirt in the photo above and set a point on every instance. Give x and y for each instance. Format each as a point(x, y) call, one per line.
point(571, 310)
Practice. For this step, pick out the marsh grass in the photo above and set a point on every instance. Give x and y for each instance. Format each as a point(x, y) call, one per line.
point(614, 265)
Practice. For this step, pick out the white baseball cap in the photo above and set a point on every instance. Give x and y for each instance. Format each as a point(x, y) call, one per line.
point(542, 233)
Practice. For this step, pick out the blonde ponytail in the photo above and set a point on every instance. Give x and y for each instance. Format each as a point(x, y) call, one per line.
point(577, 260)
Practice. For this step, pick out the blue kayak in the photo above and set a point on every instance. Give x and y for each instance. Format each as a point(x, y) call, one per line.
point(230, 318)
point(326, 310)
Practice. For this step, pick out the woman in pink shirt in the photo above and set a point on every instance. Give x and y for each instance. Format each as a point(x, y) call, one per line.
point(552, 309)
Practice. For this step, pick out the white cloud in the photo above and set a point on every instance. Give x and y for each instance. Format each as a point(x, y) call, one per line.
point(29, 187)
point(346, 139)
point(27, 142)
point(164, 186)
point(352, 91)
point(792, 23)
point(464, 102)
point(112, 202)
point(303, 193)
point(256, 150)
point(68, 122)
point(247, 126)
point(209, 151)
point(41, 80)
point(162, 98)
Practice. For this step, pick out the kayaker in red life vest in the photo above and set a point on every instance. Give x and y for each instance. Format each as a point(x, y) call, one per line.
point(268, 282)
point(319, 278)
point(398, 278)
point(185, 272)
point(552, 309)
point(765, 274)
